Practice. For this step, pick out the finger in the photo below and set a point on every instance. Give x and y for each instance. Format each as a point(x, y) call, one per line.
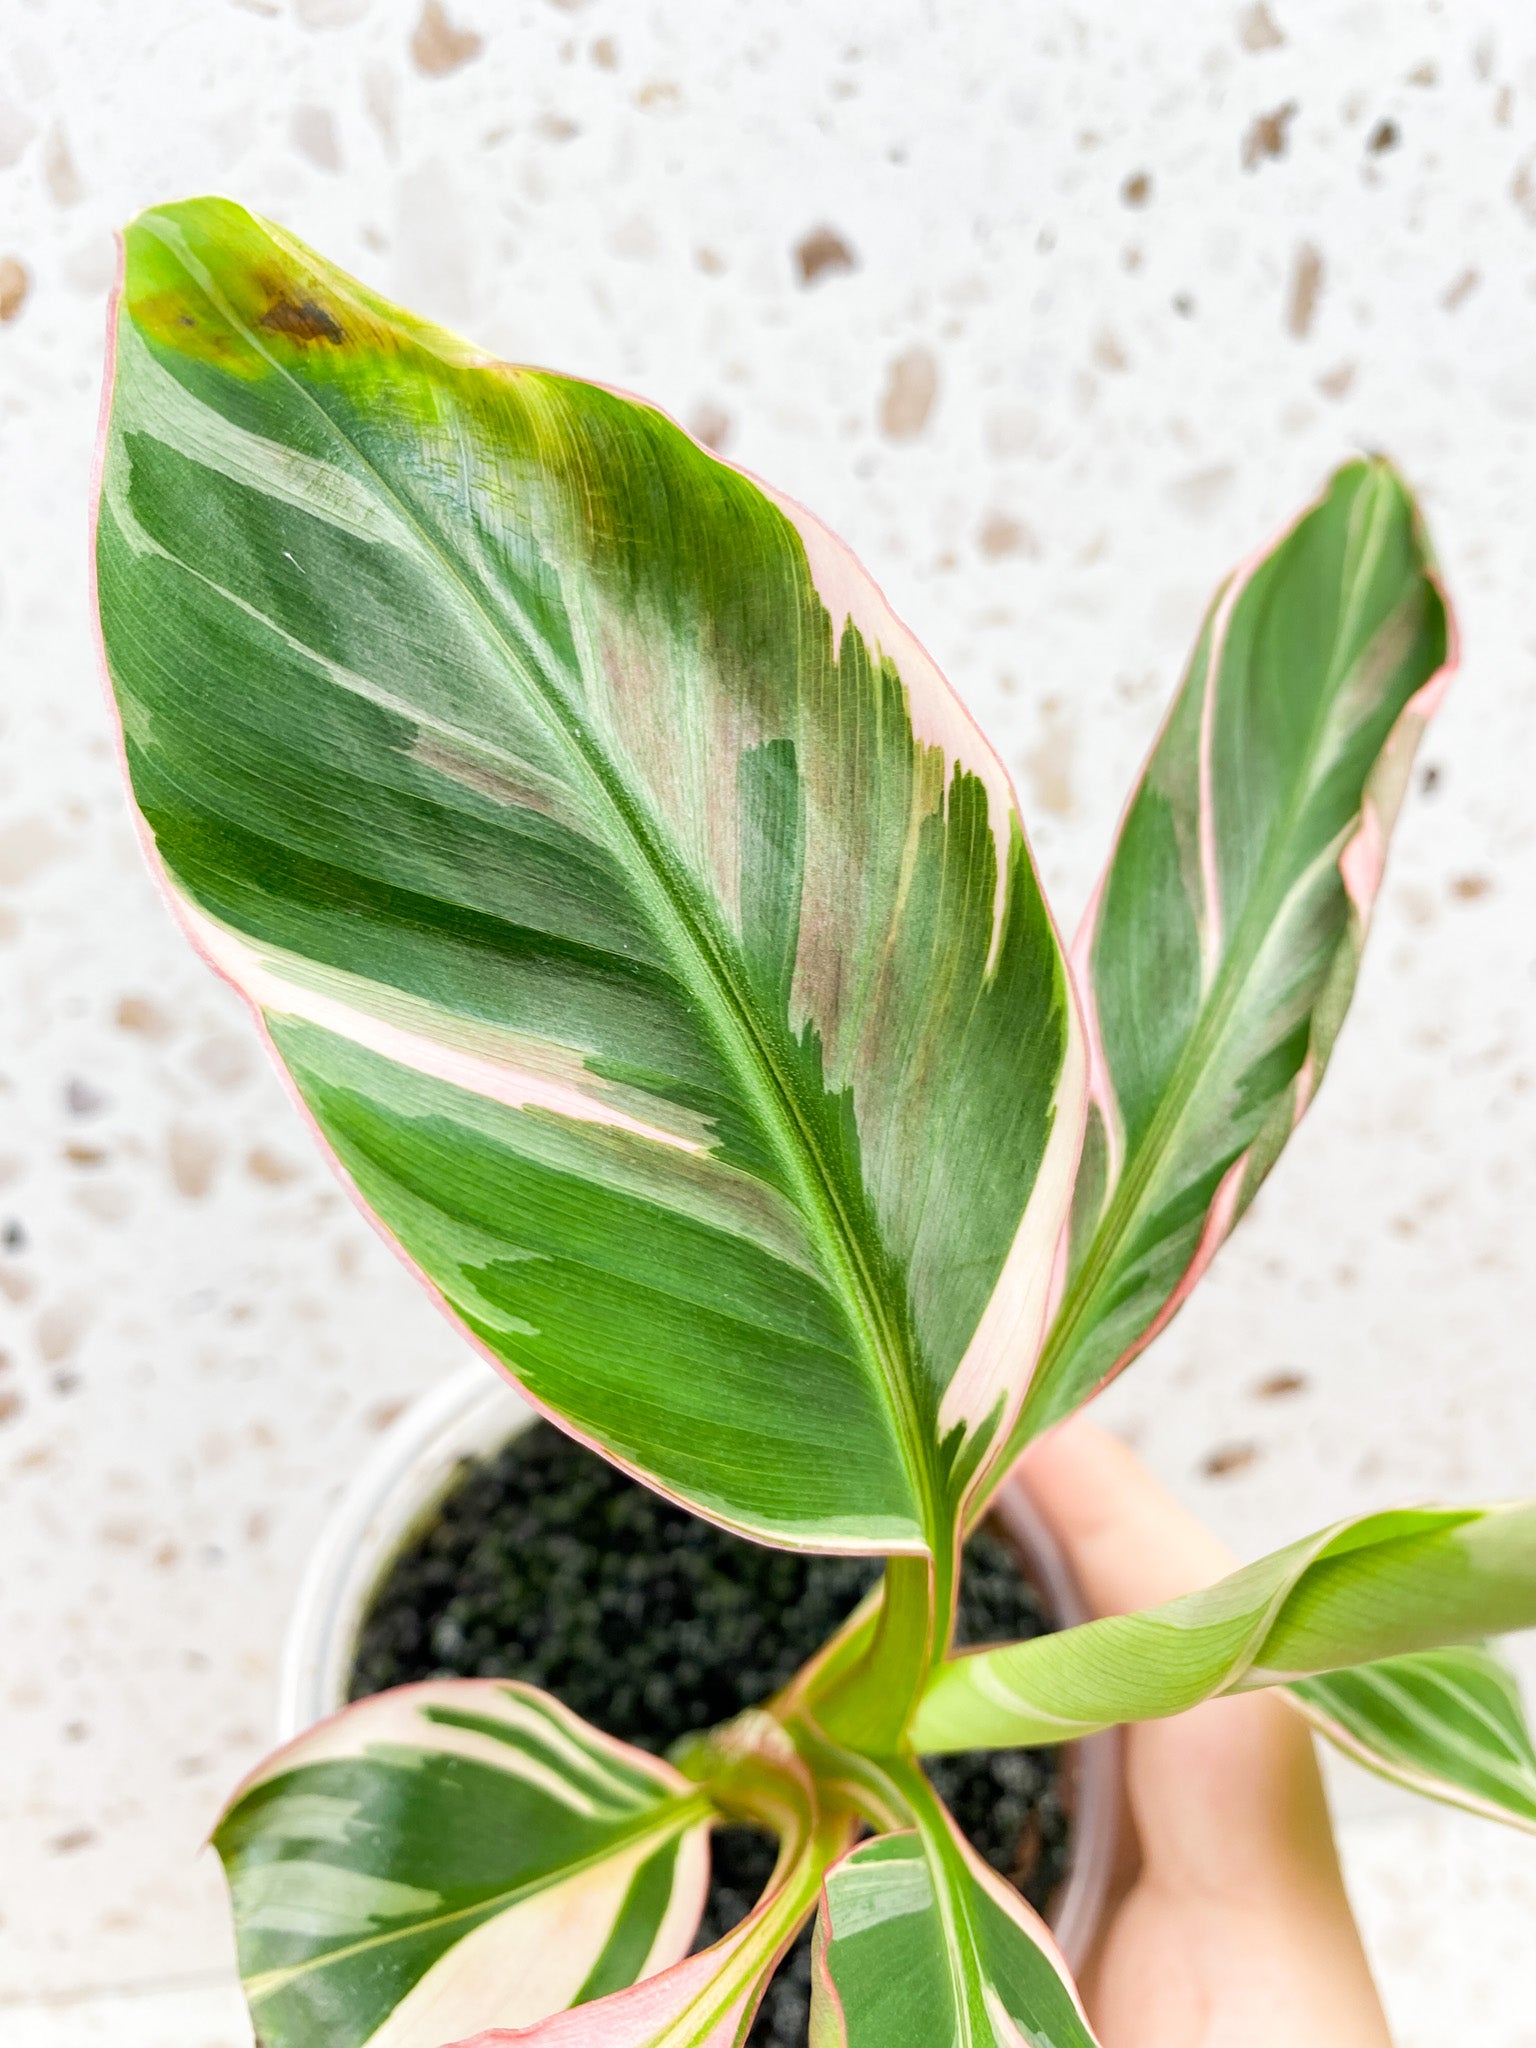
point(1228, 1795)
point(1128, 1541)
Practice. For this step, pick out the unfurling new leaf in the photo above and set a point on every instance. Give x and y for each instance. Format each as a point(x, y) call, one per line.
point(1375, 1587)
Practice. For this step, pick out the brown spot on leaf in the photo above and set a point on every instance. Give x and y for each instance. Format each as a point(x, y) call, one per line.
point(1335, 383)
point(438, 47)
point(1267, 135)
point(1468, 888)
point(1137, 189)
point(384, 1414)
point(823, 253)
point(86, 1155)
point(1277, 1385)
point(72, 1839)
point(911, 386)
point(1227, 1459)
point(661, 95)
point(1424, 74)
point(605, 54)
point(14, 285)
point(1109, 352)
point(1305, 290)
point(10, 1406)
point(1429, 781)
point(1256, 28)
point(300, 320)
point(1384, 136)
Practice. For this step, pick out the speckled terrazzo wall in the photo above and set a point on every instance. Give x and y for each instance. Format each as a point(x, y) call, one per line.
point(1052, 312)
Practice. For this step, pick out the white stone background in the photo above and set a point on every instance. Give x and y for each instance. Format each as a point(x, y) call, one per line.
point(1161, 268)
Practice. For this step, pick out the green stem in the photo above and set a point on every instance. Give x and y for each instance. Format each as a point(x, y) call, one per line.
point(868, 1706)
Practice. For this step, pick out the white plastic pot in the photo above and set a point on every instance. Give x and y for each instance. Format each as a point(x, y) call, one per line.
point(396, 1493)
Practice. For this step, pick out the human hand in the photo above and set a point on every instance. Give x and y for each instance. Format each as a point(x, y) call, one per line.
point(1229, 1927)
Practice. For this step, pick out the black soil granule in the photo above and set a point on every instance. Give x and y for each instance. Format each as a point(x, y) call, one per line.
point(547, 1564)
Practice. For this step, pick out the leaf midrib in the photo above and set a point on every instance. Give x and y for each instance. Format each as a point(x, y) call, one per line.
point(763, 1073)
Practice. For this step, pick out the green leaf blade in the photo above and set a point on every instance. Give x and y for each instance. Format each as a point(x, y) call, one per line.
point(491, 732)
point(918, 1942)
point(1221, 950)
point(452, 1853)
point(1447, 1723)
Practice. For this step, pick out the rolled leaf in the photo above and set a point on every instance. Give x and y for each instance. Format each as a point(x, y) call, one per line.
point(708, 2000)
point(1220, 951)
point(1379, 1586)
point(450, 1855)
point(1447, 1723)
point(638, 914)
point(916, 1946)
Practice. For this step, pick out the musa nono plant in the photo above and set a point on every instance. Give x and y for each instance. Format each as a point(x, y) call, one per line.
point(652, 939)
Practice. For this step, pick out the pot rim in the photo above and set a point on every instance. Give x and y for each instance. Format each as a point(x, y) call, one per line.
point(474, 1411)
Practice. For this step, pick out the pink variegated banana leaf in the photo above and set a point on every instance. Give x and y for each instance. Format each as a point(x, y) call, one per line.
point(468, 1850)
point(452, 1850)
point(636, 911)
point(1221, 949)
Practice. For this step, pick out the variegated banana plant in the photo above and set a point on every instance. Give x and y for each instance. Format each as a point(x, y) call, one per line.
point(652, 940)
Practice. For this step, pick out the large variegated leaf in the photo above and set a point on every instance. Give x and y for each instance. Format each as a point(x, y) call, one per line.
point(1448, 1723)
point(637, 912)
point(1380, 1586)
point(1221, 949)
point(451, 1855)
point(920, 1945)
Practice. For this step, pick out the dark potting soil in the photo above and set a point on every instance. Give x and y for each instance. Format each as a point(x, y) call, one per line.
point(547, 1564)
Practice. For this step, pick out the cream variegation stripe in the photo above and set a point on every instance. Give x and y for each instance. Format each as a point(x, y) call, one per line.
point(158, 404)
point(397, 1719)
point(983, 1973)
point(938, 715)
point(533, 1959)
point(498, 1081)
point(988, 1378)
point(1400, 1770)
point(1508, 1765)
